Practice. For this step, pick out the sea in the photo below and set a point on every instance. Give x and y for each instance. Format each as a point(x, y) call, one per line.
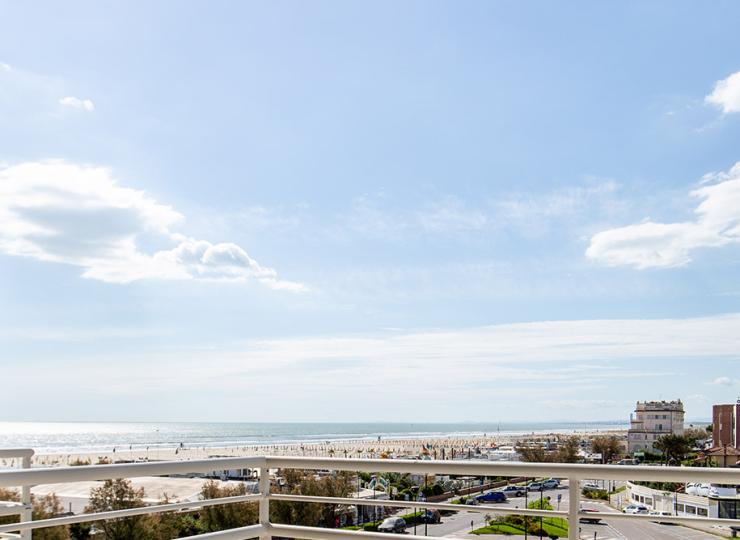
point(84, 437)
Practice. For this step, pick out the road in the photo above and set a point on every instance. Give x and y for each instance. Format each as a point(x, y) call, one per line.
point(620, 529)
point(458, 525)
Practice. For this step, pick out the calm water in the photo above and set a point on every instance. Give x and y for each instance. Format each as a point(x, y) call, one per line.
point(66, 437)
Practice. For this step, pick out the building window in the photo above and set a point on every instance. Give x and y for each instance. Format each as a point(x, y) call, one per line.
point(729, 509)
point(702, 512)
point(690, 509)
point(679, 508)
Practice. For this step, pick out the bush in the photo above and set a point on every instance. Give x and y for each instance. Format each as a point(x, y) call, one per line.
point(598, 494)
point(517, 521)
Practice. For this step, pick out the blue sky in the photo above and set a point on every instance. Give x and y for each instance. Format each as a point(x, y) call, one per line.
point(430, 207)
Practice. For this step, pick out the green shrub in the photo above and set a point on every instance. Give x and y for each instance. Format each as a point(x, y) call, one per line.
point(598, 494)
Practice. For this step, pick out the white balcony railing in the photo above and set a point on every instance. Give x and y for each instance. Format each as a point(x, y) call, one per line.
point(264, 529)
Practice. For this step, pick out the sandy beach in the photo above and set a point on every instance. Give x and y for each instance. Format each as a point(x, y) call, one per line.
point(436, 448)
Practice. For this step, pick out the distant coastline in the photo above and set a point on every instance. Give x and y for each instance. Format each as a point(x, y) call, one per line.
point(103, 437)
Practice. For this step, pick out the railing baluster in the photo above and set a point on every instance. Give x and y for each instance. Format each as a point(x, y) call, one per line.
point(264, 514)
point(27, 512)
point(574, 506)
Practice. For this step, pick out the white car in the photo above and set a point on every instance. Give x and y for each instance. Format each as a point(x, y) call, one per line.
point(592, 486)
point(703, 490)
point(656, 513)
point(635, 509)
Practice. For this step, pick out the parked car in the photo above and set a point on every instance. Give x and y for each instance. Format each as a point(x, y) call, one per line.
point(585, 519)
point(702, 490)
point(592, 486)
point(657, 513)
point(551, 483)
point(491, 496)
point(535, 486)
point(514, 491)
point(393, 525)
point(431, 516)
point(635, 509)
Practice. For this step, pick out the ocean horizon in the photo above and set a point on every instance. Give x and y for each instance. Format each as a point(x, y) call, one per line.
point(82, 437)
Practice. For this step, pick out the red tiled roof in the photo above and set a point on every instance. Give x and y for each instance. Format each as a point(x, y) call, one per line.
point(724, 450)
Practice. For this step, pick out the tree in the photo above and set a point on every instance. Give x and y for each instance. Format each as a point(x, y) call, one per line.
point(171, 525)
point(693, 435)
point(80, 531)
point(306, 483)
point(45, 507)
point(567, 451)
point(226, 516)
point(400, 481)
point(607, 446)
point(533, 453)
point(9, 495)
point(673, 447)
point(120, 495)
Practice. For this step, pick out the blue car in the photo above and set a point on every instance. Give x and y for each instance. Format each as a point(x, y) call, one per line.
point(491, 497)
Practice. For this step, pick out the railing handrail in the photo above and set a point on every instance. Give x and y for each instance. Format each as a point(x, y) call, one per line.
point(84, 473)
point(7, 453)
point(499, 468)
point(53, 475)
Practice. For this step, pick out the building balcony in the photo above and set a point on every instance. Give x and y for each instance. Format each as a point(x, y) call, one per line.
point(264, 529)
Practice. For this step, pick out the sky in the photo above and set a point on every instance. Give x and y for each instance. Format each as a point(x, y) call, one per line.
point(368, 211)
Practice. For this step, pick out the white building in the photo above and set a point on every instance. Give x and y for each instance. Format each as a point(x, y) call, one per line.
point(650, 421)
point(709, 500)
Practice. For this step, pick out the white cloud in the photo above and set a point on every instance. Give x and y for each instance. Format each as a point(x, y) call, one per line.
point(726, 94)
point(665, 245)
point(563, 202)
point(577, 367)
point(528, 213)
point(77, 103)
point(547, 341)
point(5, 67)
point(722, 381)
point(66, 213)
point(451, 216)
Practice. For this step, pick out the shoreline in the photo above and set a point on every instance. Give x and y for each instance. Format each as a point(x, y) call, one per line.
point(437, 446)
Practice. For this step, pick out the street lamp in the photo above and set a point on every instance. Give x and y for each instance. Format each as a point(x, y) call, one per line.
point(526, 505)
